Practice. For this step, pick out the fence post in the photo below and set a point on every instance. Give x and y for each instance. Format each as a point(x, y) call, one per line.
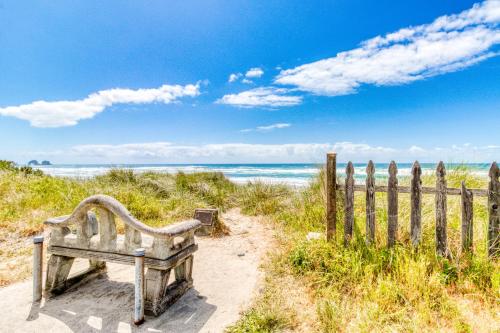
point(416, 204)
point(467, 219)
point(494, 212)
point(349, 203)
point(441, 207)
point(37, 268)
point(370, 202)
point(392, 205)
point(139, 286)
point(331, 196)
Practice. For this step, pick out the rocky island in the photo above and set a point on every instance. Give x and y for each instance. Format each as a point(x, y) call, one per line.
point(35, 162)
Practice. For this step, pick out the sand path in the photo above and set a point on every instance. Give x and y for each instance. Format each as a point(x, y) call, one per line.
point(226, 277)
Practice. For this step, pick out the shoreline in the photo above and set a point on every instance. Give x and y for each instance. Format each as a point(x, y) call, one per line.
point(294, 175)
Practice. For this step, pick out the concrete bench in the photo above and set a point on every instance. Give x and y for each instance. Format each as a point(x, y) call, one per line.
point(94, 237)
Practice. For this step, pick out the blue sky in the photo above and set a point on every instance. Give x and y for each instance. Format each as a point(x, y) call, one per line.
point(249, 81)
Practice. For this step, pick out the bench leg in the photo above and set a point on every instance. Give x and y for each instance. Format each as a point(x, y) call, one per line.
point(185, 271)
point(37, 268)
point(156, 285)
point(58, 268)
point(159, 294)
point(96, 264)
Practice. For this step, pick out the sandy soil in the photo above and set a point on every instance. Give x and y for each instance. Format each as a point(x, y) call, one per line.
point(226, 277)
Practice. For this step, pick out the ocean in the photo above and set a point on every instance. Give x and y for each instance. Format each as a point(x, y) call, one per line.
point(290, 174)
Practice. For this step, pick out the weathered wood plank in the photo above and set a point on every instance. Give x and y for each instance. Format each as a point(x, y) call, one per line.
point(107, 229)
point(139, 286)
point(209, 218)
point(494, 212)
point(37, 267)
point(133, 239)
point(156, 289)
point(416, 204)
point(441, 209)
point(478, 192)
point(331, 197)
point(392, 205)
point(467, 219)
point(84, 231)
point(172, 293)
point(122, 258)
point(370, 202)
point(58, 267)
point(349, 203)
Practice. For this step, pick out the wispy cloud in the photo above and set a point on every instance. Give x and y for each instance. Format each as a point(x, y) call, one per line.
point(255, 72)
point(234, 77)
point(263, 96)
point(68, 113)
point(223, 153)
point(252, 73)
point(450, 43)
point(266, 128)
point(166, 152)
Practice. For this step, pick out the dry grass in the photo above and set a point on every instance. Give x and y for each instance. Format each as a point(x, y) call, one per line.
point(28, 198)
point(371, 288)
point(310, 285)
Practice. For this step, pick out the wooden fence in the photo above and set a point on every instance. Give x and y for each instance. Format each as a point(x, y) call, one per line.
point(416, 190)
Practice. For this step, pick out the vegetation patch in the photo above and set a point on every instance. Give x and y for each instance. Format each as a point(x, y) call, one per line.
point(362, 288)
point(27, 198)
point(310, 285)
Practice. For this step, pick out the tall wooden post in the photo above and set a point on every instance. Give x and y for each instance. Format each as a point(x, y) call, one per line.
point(467, 219)
point(331, 196)
point(392, 205)
point(370, 202)
point(349, 203)
point(441, 208)
point(416, 204)
point(37, 268)
point(494, 212)
point(139, 286)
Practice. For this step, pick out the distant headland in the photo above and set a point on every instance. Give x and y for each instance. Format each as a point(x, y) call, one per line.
point(35, 162)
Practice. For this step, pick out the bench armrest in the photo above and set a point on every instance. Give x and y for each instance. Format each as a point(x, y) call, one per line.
point(180, 228)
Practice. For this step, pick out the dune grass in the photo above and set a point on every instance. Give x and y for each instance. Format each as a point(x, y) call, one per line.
point(310, 285)
point(28, 198)
point(365, 288)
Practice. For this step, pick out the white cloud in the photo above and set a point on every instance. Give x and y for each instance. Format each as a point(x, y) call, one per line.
point(263, 96)
point(68, 113)
point(247, 81)
point(255, 72)
point(166, 152)
point(234, 77)
point(466, 153)
point(416, 149)
point(266, 128)
point(450, 43)
point(272, 127)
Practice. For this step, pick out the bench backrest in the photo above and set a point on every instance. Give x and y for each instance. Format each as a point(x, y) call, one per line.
point(99, 234)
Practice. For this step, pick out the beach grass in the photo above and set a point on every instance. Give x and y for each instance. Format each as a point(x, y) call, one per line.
point(27, 198)
point(309, 285)
point(362, 288)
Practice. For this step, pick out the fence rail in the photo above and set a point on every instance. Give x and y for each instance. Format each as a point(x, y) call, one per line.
point(477, 192)
point(416, 190)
